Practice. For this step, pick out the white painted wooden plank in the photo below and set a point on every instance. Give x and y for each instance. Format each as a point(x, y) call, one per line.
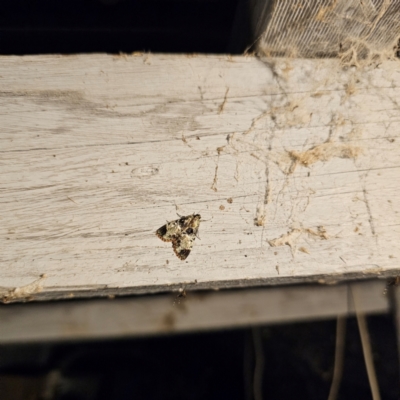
point(98, 151)
point(161, 314)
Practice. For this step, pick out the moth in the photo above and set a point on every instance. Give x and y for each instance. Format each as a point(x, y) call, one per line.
point(182, 233)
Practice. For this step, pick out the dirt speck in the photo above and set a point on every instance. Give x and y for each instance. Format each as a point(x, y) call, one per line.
point(304, 250)
point(259, 220)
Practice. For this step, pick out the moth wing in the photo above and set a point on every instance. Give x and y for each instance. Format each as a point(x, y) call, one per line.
point(183, 222)
point(192, 227)
point(182, 254)
point(182, 246)
point(162, 233)
point(192, 231)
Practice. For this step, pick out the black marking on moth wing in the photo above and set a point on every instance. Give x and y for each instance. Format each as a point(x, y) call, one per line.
point(183, 245)
point(188, 221)
point(182, 221)
point(184, 254)
point(161, 232)
point(181, 253)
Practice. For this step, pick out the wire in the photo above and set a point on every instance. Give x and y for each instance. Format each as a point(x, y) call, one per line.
point(339, 357)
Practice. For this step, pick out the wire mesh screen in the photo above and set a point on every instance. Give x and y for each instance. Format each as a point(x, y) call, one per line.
point(355, 30)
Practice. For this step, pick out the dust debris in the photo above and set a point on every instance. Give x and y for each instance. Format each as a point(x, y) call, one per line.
point(214, 184)
point(290, 238)
point(286, 70)
point(260, 219)
point(324, 10)
point(317, 94)
point(321, 232)
point(25, 292)
point(123, 55)
point(146, 60)
point(322, 152)
point(277, 269)
point(350, 88)
point(304, 250)
point(222, 106)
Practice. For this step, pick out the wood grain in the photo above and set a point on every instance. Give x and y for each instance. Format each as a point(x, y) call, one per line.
point(293, 165)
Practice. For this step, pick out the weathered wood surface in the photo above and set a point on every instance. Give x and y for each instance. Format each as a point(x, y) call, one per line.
point(166, 313)
point(293, 165)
